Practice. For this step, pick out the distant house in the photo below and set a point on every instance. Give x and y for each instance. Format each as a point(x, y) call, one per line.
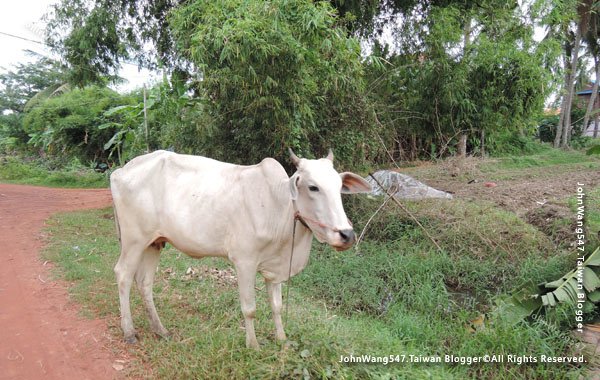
point(593, 129)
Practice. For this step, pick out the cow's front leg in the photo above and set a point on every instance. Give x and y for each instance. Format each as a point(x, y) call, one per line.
point(274, 291)
point(246, 282)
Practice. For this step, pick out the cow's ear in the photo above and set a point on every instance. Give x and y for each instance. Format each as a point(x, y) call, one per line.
point(294, 186)
point(352, 184)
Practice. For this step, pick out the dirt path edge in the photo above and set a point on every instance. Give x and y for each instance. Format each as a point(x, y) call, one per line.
point(41, 333)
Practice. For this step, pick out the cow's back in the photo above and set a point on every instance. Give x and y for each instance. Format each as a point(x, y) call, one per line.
point(195, 202)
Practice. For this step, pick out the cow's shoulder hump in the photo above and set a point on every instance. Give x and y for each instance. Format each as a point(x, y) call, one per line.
point(271, 169)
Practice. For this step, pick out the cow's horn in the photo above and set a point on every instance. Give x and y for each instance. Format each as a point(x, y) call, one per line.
point(294, 158)
point(330, 155)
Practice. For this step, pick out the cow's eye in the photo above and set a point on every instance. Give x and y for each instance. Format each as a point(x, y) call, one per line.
point(313, 188)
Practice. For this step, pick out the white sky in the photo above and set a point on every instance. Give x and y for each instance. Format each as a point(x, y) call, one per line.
point(23, 18)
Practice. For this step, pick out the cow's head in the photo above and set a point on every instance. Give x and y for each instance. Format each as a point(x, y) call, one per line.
point(316, 189)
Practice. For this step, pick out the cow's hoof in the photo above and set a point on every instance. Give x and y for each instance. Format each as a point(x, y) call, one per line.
point(281, 338)
point(131, 339)
point(166, 334)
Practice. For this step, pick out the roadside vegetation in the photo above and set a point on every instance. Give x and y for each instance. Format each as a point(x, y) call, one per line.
point(395, 294)
point(459, 95)
point(40, 172)
point(457, 78)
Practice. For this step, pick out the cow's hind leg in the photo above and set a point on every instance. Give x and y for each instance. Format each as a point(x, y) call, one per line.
point(275, 299)
point(144, 278)
point(125, 270)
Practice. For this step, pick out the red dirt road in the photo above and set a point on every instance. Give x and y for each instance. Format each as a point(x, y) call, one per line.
point(41, 334)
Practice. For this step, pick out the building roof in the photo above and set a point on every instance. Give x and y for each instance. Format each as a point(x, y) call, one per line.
point(588, 89)
point(587, 92)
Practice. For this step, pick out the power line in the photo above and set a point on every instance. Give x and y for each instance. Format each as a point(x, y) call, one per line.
point(125, 62)
point(23, 38)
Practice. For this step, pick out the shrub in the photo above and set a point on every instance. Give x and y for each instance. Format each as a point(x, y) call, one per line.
point(74, 124)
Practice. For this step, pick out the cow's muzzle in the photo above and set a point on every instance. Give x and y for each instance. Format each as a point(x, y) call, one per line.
point(347, 238)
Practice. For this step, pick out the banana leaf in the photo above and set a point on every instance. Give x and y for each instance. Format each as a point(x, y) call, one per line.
point(581, 283)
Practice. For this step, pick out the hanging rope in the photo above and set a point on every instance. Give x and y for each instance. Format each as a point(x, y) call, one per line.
point(287, 293)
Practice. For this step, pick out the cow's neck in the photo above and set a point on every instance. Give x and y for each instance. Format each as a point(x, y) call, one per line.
point(300, 226)
point(298, 217)
point(301, 237)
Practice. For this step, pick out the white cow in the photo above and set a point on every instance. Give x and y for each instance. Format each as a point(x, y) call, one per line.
point(245, 214)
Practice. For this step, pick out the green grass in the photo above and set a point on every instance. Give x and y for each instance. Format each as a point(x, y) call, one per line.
point(37, 172)
point(546, 162)
point(545, 158)
point(480, 243)
point(396, 296)
point(205, 317)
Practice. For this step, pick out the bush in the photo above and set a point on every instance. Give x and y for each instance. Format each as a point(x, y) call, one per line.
point(75, 124)
point(582, 142)
point(12, 136)
point(37, 171)
point(512, 143)
point(547, 128)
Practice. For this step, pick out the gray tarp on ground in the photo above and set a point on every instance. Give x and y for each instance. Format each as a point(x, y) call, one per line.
point(403, 186)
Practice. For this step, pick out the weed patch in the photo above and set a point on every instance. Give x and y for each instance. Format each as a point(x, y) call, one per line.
point(545, 158)
point(388, 299)
point(555, 221)
point(37, 172)
point(397, 294)
point(481, 241)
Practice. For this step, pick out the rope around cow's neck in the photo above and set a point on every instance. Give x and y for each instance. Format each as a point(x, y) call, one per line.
point(304, 218)
point(287, 295)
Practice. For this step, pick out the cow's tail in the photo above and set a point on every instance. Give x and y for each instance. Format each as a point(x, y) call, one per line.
point(114, 192)
point(117, 223)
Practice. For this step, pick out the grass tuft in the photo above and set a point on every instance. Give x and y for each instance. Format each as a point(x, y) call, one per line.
point(397, 294)
point(391, 299)
point(37, 172)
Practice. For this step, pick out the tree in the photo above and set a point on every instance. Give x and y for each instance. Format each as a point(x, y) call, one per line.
point(100, 34)
point(275, 74)
point(294, 80)
point(259, 75)
point(571, 18)
point(436, 89)
point(18, 87)
point(27, 80)
point(592, 39)
point(95, 37)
